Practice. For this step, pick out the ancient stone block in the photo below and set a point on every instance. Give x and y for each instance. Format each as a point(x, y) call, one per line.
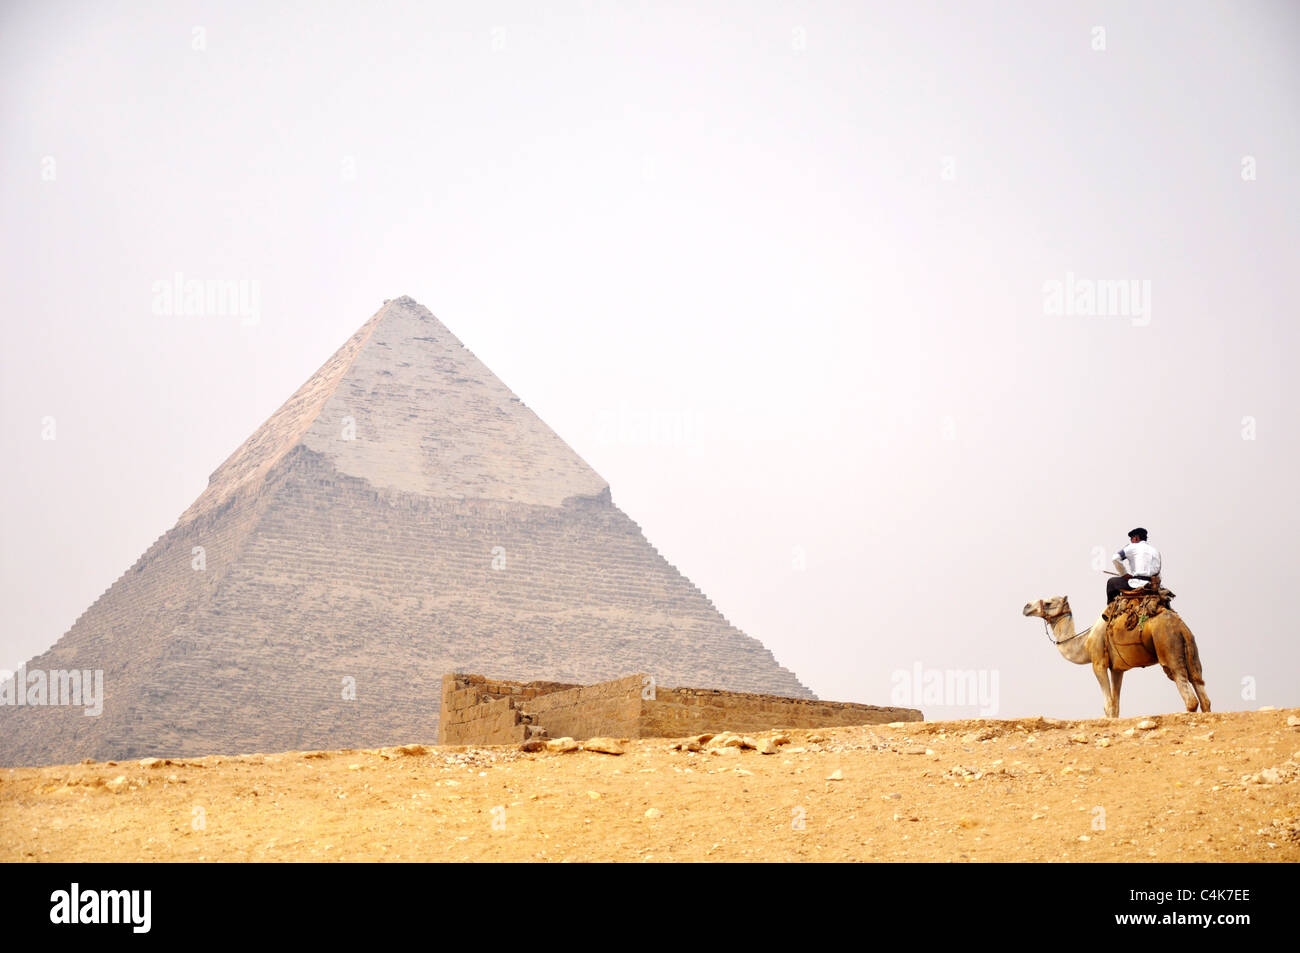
point(618, 708)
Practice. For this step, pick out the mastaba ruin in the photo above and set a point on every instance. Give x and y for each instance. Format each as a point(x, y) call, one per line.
point(403, 515)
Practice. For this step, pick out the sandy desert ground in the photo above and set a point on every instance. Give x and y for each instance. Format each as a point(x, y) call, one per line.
point(1222, 787)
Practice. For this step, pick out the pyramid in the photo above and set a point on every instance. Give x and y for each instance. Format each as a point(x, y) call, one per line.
point(401, 516)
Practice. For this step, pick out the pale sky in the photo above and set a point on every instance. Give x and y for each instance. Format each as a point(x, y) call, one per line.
point(814, 242)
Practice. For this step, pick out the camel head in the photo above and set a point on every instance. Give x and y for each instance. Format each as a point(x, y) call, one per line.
point(1053, 607)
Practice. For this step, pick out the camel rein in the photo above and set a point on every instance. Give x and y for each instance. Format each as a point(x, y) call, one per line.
point(1048, 632)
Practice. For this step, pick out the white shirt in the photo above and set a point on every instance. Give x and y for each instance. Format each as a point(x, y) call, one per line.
point(1142, 559)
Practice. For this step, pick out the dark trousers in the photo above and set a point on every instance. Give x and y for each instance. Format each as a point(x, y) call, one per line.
point(1115, 585)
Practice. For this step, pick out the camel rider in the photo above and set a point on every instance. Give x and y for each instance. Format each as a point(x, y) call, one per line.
point(1137, 563)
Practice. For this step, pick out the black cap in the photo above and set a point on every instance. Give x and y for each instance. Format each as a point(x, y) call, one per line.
point(1140, 533)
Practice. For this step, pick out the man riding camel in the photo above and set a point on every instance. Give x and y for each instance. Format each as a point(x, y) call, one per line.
point(1137, 564)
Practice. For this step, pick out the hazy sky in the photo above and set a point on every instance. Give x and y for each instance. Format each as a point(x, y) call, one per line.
point(813, 243)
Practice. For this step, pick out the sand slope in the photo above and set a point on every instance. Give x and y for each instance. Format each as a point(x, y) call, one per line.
point(1195, 787)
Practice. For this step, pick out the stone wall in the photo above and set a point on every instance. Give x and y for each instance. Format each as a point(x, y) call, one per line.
point(479, 710)
point(606, 708)
point(674, 712)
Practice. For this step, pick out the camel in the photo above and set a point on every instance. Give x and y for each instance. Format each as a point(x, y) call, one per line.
point(1163, 638)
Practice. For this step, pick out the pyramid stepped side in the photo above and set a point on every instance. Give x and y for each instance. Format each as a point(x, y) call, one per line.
point(125, 634)
point(393, 590)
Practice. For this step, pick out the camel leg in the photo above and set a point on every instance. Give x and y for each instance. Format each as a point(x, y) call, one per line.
point(1116, 679)
point(1184, 684)
point(1194, 668)
point(1112, 709)
point(1200, 693)
point(1185, 689)
point(1172, 653)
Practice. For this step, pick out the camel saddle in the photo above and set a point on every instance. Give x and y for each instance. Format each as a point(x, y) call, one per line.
point(1126, 618)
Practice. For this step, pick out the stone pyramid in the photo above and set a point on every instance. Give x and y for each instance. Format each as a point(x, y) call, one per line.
point(402, 516)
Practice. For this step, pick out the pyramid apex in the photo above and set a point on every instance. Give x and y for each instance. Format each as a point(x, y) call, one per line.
point(404, 405)
point(408, 305)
